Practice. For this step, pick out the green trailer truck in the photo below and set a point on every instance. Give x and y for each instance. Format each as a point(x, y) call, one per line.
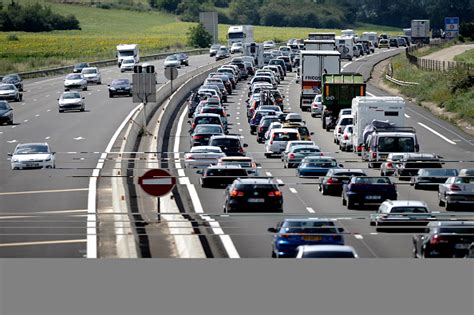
point(338, 90)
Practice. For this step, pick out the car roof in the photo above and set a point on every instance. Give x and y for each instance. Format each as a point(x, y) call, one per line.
point(225, 137)
point(227, 166)
point(250, 181)
point(206, 147)
point(32, 143)
point(327, 248)
point(243, 158)
point(284, 130)
point(207, 115)
point(402, 203)
point(308, 220)
point(451, 223)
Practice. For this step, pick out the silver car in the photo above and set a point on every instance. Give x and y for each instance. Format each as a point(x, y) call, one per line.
point(172, 62)
point(32, 155)
point(10, 92)
point(92, 74)
point(203, 156)
point(75, 81)
point(71, 101)
point(456, 191)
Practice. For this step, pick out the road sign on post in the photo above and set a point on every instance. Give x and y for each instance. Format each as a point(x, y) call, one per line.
point(144, 88)
point(451, 27)
point(171, 73)
point(157, 182)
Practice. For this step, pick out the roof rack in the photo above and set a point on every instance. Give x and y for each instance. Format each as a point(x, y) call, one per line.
point(394, 129)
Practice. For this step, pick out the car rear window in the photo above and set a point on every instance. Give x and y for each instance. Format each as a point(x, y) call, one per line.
point(409, 210)
point(440, 172)
point(464, 180)
point(328, 254)
point(208, 120)
point(308, 227)
point(305, 150)
point(372, 180)
point(285, 136)
point(226, 142)
point(458, 230)
point(208, 129)
point(227, 172)
point(257, 187)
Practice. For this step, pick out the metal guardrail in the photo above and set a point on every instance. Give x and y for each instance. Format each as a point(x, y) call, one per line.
point(389, 76)
point(102, 63)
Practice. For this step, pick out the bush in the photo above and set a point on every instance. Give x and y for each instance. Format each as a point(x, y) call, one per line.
point(12, 37)
point(467, 30)
point(199, 37)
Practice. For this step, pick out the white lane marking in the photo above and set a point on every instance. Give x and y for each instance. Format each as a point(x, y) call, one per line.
point(48, 110)
point(36, 214)
point(237, 117)
point(240, 130)
point(436, 133)
point(374, 233)
point(37, 115)
point(79, 138)
point(25, 121)
point(344, 66)
point(242, 137)
point(358, 236)
point(293, 190)
point(238, 123)
point(238, 113)
point(12, 193)
point(47, 138)
point(43, 243)
point(310, 210)
point(406, 116)
point(13, 127)
point(47, 95)
point(23, 103)
point(181, 173)
point(34, 100)
point(1, 132)
point(12, 141)
point(92, 197)
point(370, 94)
point(184, 181)
point(225, 239)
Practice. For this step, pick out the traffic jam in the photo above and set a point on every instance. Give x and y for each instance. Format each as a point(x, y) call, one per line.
point(371, 129)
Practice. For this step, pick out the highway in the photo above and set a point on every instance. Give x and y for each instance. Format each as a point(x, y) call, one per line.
point(246, 234)
point(43, 213)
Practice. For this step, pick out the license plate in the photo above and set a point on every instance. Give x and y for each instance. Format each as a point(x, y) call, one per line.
point(254, 200)
point(312, 238)
point(462, 246)
point(372, 197)
point(32, 164)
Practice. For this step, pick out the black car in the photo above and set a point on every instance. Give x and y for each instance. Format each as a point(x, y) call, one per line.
point(253, 194)
point(432, 177)
point(393, 42)
point(6, 113)
point(335, 178)
point(230, 145)
point(412, 162)
point(120, 87)
point(202, 134)
point(183, 58)
point(263, 127)
point(14, 79)
point(79, 66)
point(444, 239)
point(221, 176)
point(368, 191)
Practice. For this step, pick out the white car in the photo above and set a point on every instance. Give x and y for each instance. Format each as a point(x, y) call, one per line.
point(345, 143)
point(236, 47)
point(269, 44)
point(317, 106)
point(326, 251)
point(75, 81)
point(32, 155)
point(92, 74)
point(172, 62)
point(243, 161)
point(127, 64)
point(341, 122)
point(278, 139)
point(203, 156)
point(273, 125)
point(71, 101)
point(10, 92)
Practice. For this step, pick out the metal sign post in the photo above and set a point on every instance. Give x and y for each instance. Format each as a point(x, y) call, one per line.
point(171, 73)
point(144, 88)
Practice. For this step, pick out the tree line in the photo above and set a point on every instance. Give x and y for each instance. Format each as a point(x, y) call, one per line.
point(322, 13)
point(34, 18)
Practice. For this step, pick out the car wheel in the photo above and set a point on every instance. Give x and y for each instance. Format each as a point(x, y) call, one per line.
point(323, 191)
point(82, 109)
point(449, 206)
point(85, 89)
point(344, 202)
point(382, 173)
point(416, 186)
point(99, 83)
point(267, 155)
point(441, 203)
point(274, 255)
point(350, 204)
point(61, 111)
point(414, 252)
point(10, 122)
point(111, 95)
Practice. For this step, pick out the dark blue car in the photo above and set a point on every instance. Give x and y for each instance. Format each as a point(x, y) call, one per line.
point(368, 191)
point(255, 120)
point(291, 233)
point(315, 166)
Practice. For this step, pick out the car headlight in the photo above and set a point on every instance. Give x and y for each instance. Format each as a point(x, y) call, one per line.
point(14, 160)
point(112, 88)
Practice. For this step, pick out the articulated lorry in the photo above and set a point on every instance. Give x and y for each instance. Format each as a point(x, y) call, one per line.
point(310, 44)
point(420, 31)
point(322, 36)
point(256, 51)
point(313, 65)
point(240, 33)
point(338, 90)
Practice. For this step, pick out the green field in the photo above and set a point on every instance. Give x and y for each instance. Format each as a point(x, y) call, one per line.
point(467, 56)
point(448, 90)
point(103, 29)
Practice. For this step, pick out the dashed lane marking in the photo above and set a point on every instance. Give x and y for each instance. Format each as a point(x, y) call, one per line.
point(13, 193)
point(310, 210)
point(294, 191)
point(436, 133)
point(358, 236)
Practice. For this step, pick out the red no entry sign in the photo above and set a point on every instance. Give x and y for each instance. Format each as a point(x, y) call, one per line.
point(157, 182)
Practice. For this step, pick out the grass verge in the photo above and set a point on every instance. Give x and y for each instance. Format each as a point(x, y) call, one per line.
point(467, 56)
point(450, 90)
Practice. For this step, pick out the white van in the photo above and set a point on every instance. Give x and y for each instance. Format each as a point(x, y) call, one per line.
point(278, 139)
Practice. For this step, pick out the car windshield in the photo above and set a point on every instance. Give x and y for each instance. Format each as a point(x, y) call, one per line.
point(440, 172)
point(303, 131)
point(226, 142)
point(3, 106)
point(396, 144)
point(7, 87)
point(74, 77)
point(81, 65)
point(208, 129)
point(120, 82)
point(320, 164)
point(32, 149)
point(68, 96)
point(127, 61)
point(89, 71)
point(328, 254)
point(308, 227)
point(409, 210)
point(172, 57)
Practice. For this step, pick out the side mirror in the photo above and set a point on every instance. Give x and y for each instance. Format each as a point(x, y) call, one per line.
point(340, 230)
point(304, 122)
point(9, 154)
point(228, 115)
point(340, 165)
point(272, 230)
point(108, 84)
point(53, 153)
point(58, 99)
point(200, 172)
point(311, 133)
point(245, 145)
point(83, 97)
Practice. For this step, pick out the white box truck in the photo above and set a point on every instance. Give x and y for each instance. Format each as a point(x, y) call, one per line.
point(326, 44)
point(240, 33)
point(322, 36)
point(370, 36)
point(256, 51)
point(366, 109)
point(345, 45)
point(420, 31)
point(127, 51)
point(313, 64)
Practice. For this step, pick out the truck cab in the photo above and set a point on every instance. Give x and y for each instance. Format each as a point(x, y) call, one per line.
point(126, 52)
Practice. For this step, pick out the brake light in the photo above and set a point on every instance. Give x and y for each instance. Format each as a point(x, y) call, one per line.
point(275, 193)
point(236, 193)
point(190, 157)
point(330, 181)
point(193, 125)
point(339, 130)
point(374, 155)
point(438, 239)
point(271, 141)
point(455, 188)
point(359, 148)
point(260, 129)
point(291, 155)
point(346, 137)
point(389, 165)
point(197, 137)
